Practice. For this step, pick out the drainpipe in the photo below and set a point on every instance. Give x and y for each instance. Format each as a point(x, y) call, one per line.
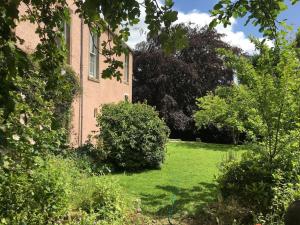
point(81, 85)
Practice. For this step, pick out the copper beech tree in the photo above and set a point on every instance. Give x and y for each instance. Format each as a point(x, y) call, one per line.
point(172, 82)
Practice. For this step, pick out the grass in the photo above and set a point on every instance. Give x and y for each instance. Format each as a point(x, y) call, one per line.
point(185, 182)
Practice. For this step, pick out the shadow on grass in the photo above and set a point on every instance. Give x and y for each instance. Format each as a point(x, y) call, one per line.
point(178, 201)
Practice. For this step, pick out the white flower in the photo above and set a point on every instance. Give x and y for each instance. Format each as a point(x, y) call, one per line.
point(41, 127)
point(63, 72)
point(31, 141)
point(22, 118)
point(16, 137)
point(23, 96)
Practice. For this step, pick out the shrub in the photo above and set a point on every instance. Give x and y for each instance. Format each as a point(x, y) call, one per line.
point(91, 199)
point(133, 135)
point(92, 157)
point(264, 187)
point(101, 196)
point(37, 197)
point(57, 188)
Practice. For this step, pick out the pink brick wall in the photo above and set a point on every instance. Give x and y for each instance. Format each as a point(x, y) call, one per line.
point(94, 93)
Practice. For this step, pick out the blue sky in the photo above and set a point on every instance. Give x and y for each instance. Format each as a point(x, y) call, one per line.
point(197, 13)
point(292, 14)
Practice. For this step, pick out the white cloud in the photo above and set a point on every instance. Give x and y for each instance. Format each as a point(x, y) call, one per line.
point(196, 18)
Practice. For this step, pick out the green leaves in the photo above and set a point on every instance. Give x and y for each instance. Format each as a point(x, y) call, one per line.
point(265, 103)
point(263, 14)
point(133, 135)
point(169, 3)
point(99, 15)
point(294, 2)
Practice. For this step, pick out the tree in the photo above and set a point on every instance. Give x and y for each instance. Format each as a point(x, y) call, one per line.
point(224, 108)
point(261, 13)
point(265, 104)
point(172, 82)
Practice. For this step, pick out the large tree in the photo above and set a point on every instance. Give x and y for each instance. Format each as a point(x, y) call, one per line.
point(172, 82)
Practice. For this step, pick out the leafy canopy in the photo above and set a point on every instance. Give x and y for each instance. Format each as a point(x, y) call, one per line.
point(265, 104)
point(260, 13)
point(100, 16)
point(172, 82)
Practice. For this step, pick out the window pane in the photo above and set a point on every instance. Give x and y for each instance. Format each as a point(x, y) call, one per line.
point(93, 64)
point(93, 43)
point(93, 70)
point(126, 68)
point(67, 36)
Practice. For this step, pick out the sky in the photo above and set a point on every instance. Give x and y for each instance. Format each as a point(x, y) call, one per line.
point(197, 12)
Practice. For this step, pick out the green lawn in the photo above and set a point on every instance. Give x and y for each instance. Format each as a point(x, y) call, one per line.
point(185, 182)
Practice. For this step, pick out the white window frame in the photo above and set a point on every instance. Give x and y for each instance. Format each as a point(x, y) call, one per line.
point(93, 56)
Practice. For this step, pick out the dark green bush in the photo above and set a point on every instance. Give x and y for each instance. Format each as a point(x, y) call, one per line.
point(90, 157)
point(133, 135)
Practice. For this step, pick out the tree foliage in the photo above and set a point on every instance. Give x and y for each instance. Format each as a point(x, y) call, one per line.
point(171, 83)
point(101, 16)
point(224, 108)
point(260, 13)
point(265, 103)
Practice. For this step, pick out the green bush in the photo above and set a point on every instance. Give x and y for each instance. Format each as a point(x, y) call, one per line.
point(92, 157)
point(101, 196)
point(36, 197)
point(133, 135)
point(91, 199)
point(255, 182)
point(58, 188)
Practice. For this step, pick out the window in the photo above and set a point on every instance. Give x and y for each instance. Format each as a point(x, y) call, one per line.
point(94, 56)
point(126, 68)
point(66, 39)
point(67, 36)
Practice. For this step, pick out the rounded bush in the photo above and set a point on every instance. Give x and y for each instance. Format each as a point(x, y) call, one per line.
point(248, 181)
point(133, 135)
point(255, 182)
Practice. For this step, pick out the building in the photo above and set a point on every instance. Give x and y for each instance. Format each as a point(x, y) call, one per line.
point(88, 64)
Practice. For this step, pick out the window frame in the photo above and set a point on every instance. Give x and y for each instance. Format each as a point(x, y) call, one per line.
point(126, 68)
point(67, 39)
point(93, 55)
